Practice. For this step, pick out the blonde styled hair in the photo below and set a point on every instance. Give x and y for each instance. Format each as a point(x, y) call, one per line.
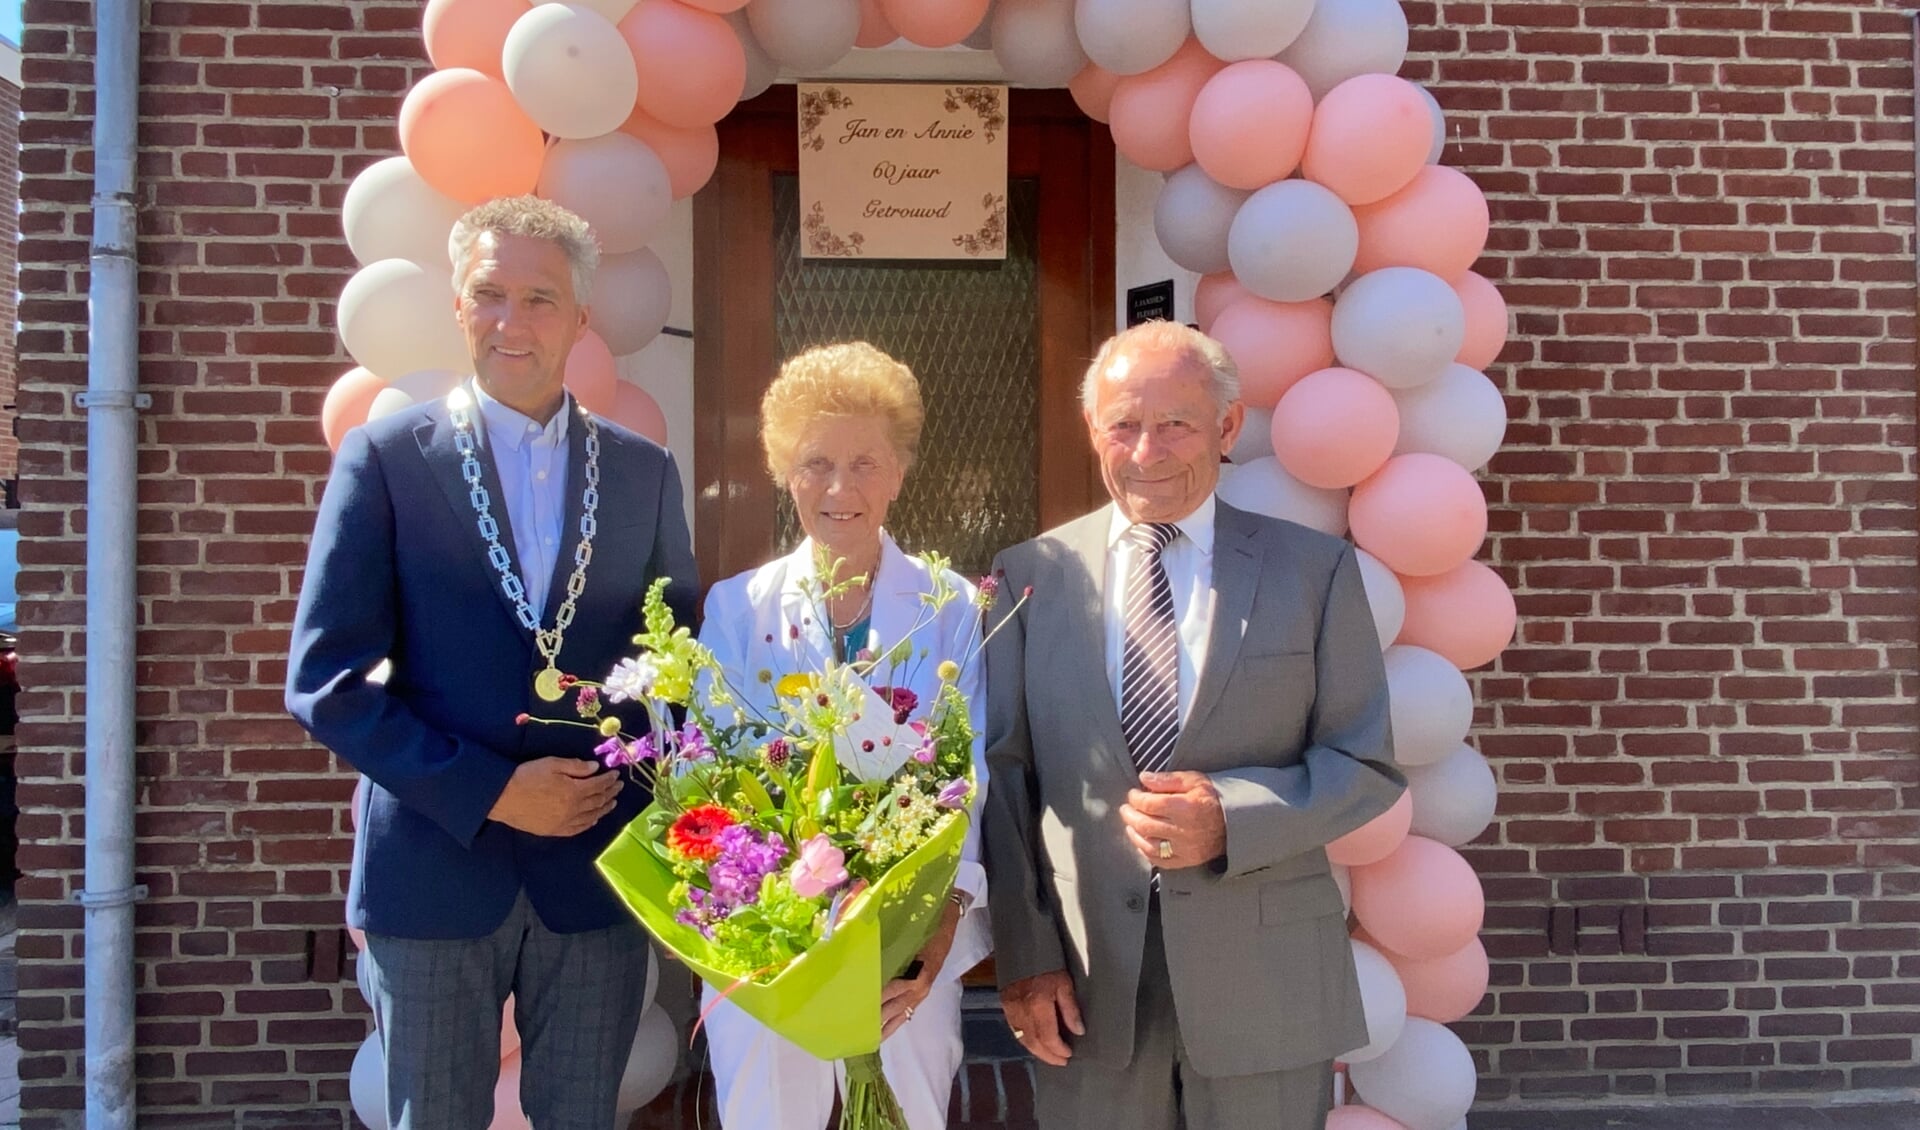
point(850, 379)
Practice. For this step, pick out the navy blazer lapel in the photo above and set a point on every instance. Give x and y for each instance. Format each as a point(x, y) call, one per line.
point(576, 486)
point(1237, 564)
point(435, 435)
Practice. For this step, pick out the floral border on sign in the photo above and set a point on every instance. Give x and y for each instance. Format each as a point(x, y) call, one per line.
point(982, 100)
point(815, 105)
point(992, 235)
point(821, 240)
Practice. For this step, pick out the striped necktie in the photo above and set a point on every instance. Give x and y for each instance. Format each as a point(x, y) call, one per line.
point(1150, 654)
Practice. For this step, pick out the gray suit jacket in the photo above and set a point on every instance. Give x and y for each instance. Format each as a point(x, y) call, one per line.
point(1289, 719)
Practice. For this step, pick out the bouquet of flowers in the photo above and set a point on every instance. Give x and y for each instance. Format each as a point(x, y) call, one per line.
point(795, 858)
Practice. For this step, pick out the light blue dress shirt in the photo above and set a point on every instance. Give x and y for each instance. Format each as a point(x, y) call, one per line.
point(531, 461)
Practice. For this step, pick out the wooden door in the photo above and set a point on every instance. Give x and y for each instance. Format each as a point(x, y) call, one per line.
point(999, 347)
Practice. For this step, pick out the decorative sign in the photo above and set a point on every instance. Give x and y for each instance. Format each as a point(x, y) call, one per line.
point(903, 171)
point(1150, 303)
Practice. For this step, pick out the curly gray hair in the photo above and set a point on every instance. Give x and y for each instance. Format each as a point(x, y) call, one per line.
point(534, 218)
point(1200, 350)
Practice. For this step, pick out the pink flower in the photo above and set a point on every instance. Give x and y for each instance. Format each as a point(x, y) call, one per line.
point(820, 868)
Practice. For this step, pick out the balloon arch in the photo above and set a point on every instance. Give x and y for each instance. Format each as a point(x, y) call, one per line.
point(1297, 168)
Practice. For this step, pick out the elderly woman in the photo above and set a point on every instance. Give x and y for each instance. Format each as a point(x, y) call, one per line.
point(840, 426)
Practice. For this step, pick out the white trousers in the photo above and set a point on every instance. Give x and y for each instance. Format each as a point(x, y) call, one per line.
point(765, 1082)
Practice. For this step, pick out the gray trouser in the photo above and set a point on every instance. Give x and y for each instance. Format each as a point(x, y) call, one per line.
point(1160, 1090)
point(437, 1006)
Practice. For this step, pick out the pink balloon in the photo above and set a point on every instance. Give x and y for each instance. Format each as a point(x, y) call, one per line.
point(509, 1031)
point(1250, 123)
point(1335, 427)
point(636, 410)
point(358, 937)
point(875, 31)
point(1420, 514)
point(1092, 91)
point(1437, 223)
point(1352, 1117)
point(591, 375)
point(1377, 838)
point(1446, 988)
point(720, 6)
point(935, 23)
point(1422, 901)
point(468, 138)
point(469, 33)
point(692, 66)
point(1214, 294)
point(1370, 137)
point(690, 154)
point(1466, 614)
point(1486, 321)
point(507, 1114)
point(345, 407)
point(1275, 344)
point(1151, 111)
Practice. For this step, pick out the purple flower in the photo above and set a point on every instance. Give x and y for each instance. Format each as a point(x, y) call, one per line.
point(924, 755)
point(955, 794)
point(616, 754)
point(777, 754)
point(693, 743)
point(746, 857)
point(989, 588)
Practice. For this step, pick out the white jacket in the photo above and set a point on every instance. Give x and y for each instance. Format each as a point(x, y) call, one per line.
point(749, 624)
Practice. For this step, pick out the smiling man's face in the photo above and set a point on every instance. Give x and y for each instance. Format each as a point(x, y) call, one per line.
point(1158, 432)
point(518, 310)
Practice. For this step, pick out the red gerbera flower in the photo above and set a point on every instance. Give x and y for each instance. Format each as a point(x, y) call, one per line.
point(695, 835)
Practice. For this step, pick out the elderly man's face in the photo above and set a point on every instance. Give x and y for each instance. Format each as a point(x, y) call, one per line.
point(517, 308)
point(1159, 434)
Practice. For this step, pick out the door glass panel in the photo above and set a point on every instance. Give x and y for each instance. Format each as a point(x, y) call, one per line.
point(970, 333)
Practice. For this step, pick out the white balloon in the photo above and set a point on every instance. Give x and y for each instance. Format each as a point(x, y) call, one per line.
point(1459, 415)
point(1382, 998)
point(1425, 1080)
point(396, 317)
point(1399, 325)
point(1439, 146)
point(570, 70)
point(616, 183)
point(761, 69)
point(1429, 705)
point(1384, 596)
point(390, 213)
point(1193, 216)
point(1264, 487)
point(981, 37)
point(650, 1063)
point(1036, 42)
point(367, 1083)
point(1454, 798)
point(1343, 878)
point(1256, 437)
point(1293, 241)
point(414, 388)
point(1129, 37)
point(1249, 29)
point(1347, 38)
point(805, 35)
point(613, 10)
point(632, 299)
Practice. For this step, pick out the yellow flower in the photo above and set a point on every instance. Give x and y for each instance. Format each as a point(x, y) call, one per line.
point(609, 727)
point(794, 685)
point(949, 671)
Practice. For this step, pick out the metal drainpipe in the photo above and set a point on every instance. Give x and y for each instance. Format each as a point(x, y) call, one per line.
point(111, 403)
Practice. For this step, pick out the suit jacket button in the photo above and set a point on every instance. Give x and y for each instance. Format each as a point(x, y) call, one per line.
point(1135, 902)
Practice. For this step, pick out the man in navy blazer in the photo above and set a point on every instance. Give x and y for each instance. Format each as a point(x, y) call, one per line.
point(483, 543)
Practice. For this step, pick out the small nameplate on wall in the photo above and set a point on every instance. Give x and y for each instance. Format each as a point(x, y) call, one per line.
point(903, 171)
point(1150, 303)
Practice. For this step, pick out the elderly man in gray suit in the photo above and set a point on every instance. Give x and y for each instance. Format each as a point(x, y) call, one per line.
point(1189, 707)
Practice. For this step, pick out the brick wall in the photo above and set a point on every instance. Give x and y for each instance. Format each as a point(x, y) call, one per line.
point(1706, 875)
point(9, 271)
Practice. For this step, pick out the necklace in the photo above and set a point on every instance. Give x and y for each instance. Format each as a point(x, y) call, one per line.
point(865, 606)
point(545, 640)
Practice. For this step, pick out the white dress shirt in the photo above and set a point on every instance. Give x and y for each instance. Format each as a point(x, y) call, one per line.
point(531, 461)
point(1188, 560)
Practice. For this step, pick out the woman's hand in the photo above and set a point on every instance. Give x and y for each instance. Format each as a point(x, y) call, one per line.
point(903, 995)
